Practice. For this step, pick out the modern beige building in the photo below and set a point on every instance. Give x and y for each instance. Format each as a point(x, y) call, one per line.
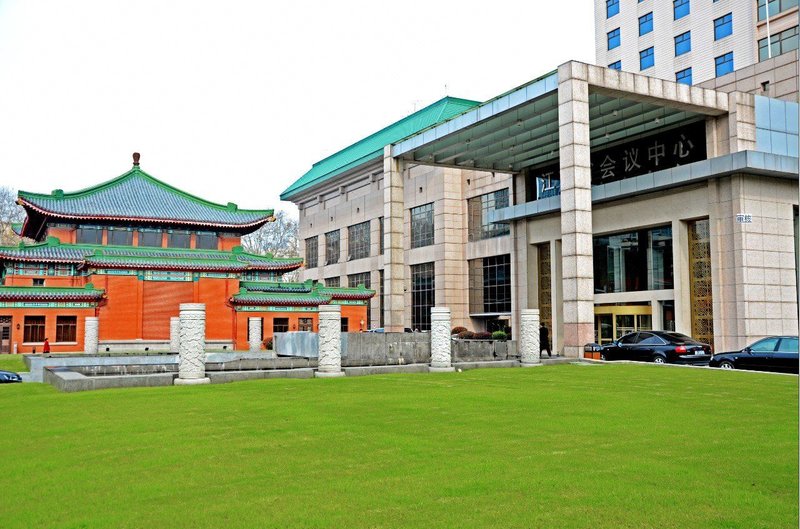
point(692, 41)
point(633, 203)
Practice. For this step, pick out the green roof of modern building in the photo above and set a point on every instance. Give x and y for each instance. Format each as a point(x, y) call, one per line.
point(372, 146)
point(136, 197)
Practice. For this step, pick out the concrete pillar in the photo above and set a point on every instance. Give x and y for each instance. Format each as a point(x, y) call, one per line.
point(529, 352)
point(576, 207)
point(254, 334)
point(174, 334)
point(330, 342)
point(440, 340)
point(393, 257)
point(191, 352)
point(741, 121)
point(91, 333)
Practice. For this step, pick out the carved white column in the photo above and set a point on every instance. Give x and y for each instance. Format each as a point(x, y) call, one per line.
point(174, 334)
point(330, 341)
point(91, 335)
point(191, 357)
point(529, 352)
point(254, 334)
point(440, 340)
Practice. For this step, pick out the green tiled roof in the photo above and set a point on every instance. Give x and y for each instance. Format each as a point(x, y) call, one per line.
point(89, 293)
point(347, 293)
point(276, 287)
point(53, 251)
point(314, 298)
point(136, 196)
point(372, 146)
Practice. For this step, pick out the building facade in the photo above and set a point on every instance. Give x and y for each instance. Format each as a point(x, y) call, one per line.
point(129, 252)
point(634, 203)
point(692, 41)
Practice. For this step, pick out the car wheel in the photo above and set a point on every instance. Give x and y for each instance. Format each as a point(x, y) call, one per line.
point(726, 365)
point(602, 356)
point(658, 359)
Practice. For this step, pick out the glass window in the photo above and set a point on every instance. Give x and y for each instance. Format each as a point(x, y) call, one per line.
point(645, 24)
point(120, 237)
point(723, 26)
point(767, 345)
point(613, 39)
point(490, 284)
point(312, 252)
point(381, 298)
point(422, 226)
point(206, 241)
point(723, 64)
point(616, 65)
point(332, 249)
point(345, 324)
point(178, 239)
point(612, 8)
point(681, 8)
point(783, 42)
point(353, 280)
point(775, 7)
point(629, 339)
point(633, 261)
point(152, 238)
point(646, 338)
point(332, 282)
point(478, 209)
point(280, 325)
point(646, 58)
point(423, 296)
point(89, 236)
point(683, 43)
point(684, 76)
point(34, 329)
point(358, 241)
point(66, 328)
point(38, 282)
point(305, 324)
point(380, 233)
point(788, 345)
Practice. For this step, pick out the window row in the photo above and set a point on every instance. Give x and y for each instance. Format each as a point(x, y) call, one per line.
point(782, 42)
point(723, 26)
point(774, 7)
point(34, 329)
point(722, 64)
point(358, 244)
point(147, 237)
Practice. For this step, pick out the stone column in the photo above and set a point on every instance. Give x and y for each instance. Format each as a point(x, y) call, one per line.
point(576, 207)
point(174, 334)
point(191, 353)
point(440, 340)
point(393, 256)
point(330, 342)
point(254, 334)
point(91, 333)
point(529, 352)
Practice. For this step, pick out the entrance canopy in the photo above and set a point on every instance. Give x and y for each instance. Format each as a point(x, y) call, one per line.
point(519, 129)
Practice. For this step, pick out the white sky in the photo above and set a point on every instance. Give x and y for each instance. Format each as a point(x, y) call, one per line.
point(234, 100)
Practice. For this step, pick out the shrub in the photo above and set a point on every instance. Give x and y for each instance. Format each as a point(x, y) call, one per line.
point(268, 344)
point(458, 330)
point(466, 335)
point(500, 336)
point(483, 335)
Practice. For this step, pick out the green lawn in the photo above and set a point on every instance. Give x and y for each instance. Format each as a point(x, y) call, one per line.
point(12, 363)
point(613, 446)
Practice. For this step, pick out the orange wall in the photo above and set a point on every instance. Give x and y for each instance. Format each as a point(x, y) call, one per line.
point(215, 293)
point(160, 301)
point(65, 235)
point(18, 318)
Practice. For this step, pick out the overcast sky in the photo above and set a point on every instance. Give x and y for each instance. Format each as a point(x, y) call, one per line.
point(234, 100)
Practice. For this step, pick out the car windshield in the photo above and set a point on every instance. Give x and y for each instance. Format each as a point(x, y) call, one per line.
point(677, 337)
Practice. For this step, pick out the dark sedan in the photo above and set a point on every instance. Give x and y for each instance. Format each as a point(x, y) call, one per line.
point(661, 347)
point(774, 353)
point(7, 377)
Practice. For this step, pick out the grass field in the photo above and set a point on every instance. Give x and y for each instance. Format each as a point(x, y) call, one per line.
point(612, 446)
point(12, 363)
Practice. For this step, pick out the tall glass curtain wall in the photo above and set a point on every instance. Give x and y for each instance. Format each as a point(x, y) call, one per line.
point(633, 261)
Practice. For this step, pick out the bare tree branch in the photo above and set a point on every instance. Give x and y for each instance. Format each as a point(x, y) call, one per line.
point(10, 213)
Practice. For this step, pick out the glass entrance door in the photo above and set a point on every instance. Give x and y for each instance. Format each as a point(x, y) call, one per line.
point(5, 334)
point(613, 321)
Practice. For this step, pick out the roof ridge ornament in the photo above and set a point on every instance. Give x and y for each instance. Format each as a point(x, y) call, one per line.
point(136, 157)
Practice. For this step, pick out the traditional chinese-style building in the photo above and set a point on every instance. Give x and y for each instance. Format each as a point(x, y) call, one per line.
point(129, 251)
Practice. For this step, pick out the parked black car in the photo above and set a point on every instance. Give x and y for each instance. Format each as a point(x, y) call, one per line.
point(7, 377)
point(660, 347)
point(774, 353)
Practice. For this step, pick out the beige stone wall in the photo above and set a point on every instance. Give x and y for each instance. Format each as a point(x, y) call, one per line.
point(781, 74)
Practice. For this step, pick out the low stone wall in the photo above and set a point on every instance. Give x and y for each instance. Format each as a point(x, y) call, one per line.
point(37, 363)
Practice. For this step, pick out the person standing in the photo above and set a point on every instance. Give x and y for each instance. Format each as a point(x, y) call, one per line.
point(46, 347)
point(544, 340)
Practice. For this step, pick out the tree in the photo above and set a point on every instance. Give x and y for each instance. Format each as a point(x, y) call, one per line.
point(10, 213)
point(280, 238)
